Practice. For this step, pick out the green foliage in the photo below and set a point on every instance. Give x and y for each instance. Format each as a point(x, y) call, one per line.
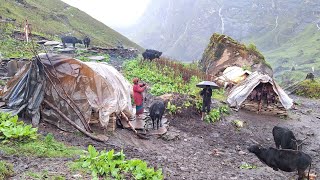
point(42, 147)
point(288, 54)
point(309, 88)
point(213, 116)
point(237, 123)
point(252, 47)
point(163, 81)
point(6, 170)
point(247, 166)
point(246, 67)
point(2, 83)
point(216, 114)
point(13, 130)
point(110, 164)
point(219, 94)
point(44, 175)
point(187, 104)
point(172, 108)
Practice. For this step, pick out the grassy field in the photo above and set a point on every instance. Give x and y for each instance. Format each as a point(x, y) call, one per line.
point(295, 58)
point(54, 18)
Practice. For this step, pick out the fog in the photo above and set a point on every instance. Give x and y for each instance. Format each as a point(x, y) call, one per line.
point(113, 13)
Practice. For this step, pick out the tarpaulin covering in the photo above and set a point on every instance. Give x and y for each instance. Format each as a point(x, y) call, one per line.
point(241, 91)
point(233, 74)
point(24, 92)
point(76, 88)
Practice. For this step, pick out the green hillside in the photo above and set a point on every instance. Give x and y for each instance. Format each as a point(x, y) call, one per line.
point(55, 18)
point(296, 57)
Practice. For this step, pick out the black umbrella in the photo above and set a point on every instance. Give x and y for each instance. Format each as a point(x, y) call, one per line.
point(203, 84)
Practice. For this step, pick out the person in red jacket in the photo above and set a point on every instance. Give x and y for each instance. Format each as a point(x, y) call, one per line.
point(138, 89)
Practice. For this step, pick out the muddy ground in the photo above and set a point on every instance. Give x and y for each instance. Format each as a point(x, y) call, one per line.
point(190, 155)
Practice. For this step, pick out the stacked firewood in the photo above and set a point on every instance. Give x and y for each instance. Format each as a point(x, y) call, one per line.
point(270, 109)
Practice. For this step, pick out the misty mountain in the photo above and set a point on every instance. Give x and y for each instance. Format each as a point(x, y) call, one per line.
point(284, 30)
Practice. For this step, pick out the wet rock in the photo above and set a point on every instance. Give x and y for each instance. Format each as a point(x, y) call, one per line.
point(66, 50)
point(97, 58)
point(77, 176)
point(51, 43)
point(183, 168)
point(12, 68)
point(238, 148)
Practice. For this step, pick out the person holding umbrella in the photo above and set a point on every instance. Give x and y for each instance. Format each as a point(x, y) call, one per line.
point(206, 94)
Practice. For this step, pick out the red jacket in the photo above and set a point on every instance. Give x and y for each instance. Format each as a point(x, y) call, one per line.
point(137, 94)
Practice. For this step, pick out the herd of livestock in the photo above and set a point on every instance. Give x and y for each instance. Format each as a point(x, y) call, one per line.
point(289, 158)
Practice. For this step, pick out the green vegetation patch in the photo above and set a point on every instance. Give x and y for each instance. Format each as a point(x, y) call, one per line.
point(114, 165)
point(163, 80)
point(42, 147)
point(13, 130)
point(17, 138)
point(12, 48)
point(56, 18)
point(216, 114)
point(44, 175)
point(6, 170)
point(309, 88)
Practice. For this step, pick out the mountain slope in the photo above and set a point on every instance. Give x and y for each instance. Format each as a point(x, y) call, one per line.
point(56, 18)
point(279, 29)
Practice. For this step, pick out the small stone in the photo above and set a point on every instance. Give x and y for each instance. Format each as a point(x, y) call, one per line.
point(238, 148)
point(242, 152)
point(77, 176)
point(183, 168)
point(268, 139)
point(185, 140)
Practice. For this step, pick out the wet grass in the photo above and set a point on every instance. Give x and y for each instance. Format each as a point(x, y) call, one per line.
point(42, 147)
point(6, 170)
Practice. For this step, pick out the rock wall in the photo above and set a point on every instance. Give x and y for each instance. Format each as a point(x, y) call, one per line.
point(222, 52)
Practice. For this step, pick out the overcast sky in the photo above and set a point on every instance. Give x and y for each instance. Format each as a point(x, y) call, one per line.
point(113, 13)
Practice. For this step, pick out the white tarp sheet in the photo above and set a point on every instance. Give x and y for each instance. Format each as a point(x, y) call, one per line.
point(240, 92)
point(234, 74)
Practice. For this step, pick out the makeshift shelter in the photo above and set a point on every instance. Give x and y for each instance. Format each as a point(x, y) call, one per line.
point(54, 83)
point(238, 96)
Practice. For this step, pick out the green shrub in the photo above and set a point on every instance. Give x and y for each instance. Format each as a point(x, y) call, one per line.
point(12, 129)
point(216, 114)
point(110, 164)
point(309, 88)
point(173, 109)
point(163, 80)
point(6, 170)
